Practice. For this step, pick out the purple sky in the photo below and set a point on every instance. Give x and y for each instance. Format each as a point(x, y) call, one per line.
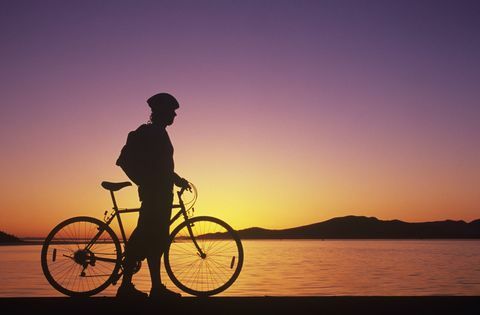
point(361, 99)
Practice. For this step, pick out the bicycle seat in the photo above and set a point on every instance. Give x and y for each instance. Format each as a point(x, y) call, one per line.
point(115, 186)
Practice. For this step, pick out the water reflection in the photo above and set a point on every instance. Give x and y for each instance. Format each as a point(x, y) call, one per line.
point(305, 268)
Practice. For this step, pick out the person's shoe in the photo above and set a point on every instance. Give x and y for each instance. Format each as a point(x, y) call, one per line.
point(130, 292)
point(162, 293)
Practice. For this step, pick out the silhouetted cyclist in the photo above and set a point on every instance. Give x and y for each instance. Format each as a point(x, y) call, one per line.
point(147, 159)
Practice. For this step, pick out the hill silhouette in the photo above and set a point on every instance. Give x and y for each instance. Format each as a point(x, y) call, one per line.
point(7, 238)
point(361, 227)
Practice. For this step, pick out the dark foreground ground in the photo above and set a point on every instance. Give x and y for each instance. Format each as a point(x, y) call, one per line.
point(246, 305)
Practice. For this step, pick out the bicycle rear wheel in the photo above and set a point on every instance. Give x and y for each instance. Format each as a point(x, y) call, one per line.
point(208, 274)
point(81, 256)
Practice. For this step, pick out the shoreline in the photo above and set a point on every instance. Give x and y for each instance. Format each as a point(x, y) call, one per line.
point(40, 242)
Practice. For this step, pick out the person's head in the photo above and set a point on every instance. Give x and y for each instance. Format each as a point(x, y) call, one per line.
point(163, 107)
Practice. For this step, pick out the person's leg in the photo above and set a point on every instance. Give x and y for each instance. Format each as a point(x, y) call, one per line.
point(134, 252)
point(127, 289)
point(158, 238)
point(153, 261)
point(130, 259)
point(152, 209)
point(159, 290)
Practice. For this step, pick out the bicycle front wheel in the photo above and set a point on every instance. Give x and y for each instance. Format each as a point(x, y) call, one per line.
point(212, 269)
point(81, 256)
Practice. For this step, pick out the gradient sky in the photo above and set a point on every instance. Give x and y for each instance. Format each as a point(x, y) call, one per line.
point(292, 112)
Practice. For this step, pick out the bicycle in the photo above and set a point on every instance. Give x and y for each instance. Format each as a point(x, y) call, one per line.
point(82, 256)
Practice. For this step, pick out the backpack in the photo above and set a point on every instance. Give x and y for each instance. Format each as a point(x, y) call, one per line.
point(133, 159)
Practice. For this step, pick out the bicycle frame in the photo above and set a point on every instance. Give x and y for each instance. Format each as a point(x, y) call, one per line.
point(82, 256)
point(116, 214)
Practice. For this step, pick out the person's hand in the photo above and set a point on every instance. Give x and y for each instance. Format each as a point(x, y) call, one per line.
point(183, 183)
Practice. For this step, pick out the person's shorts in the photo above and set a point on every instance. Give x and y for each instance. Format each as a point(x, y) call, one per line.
point(152, 232)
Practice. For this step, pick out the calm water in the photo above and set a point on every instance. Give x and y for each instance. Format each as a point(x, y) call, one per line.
point(294, 268)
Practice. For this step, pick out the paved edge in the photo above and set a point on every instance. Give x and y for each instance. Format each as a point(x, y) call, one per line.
point(248, 305)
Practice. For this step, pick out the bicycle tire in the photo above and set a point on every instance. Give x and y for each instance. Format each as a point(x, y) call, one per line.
point(64, 255)
point(213, 273)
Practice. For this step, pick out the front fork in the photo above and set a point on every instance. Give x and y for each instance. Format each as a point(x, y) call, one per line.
point(194, 240)
point(189, 226)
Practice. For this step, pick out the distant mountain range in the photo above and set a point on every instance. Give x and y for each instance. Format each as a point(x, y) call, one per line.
point(7, 238)
point(360, 227)
point(349, 227)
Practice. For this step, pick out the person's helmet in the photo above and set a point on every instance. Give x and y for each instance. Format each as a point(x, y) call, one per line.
point(162, 102)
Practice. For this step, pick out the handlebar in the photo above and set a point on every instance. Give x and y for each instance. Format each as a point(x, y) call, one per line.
point(192, 189)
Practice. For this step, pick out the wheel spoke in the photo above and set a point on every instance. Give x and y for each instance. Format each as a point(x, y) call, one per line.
point(212, 273)
point(77, 270)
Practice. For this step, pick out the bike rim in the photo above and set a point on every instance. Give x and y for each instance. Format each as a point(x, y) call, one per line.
point(212, 273)
point(75, 268)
